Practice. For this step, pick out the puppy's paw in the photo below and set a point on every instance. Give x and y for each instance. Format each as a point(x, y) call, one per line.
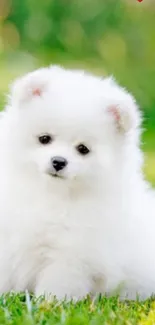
point(62, 284)
point(61, 291)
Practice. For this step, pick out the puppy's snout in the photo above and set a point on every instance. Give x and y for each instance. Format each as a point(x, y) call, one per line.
point(58, 163)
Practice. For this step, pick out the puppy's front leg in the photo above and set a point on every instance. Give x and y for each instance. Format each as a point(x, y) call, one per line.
point(65, 280)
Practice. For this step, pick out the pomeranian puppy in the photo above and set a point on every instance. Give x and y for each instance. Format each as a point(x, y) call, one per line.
point(76, 215)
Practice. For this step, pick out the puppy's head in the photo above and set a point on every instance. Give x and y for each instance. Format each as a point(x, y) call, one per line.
point(69, 125)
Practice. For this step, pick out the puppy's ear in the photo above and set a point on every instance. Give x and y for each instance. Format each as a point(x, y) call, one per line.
point(122, 109)
point(29, 87)
point(124, 116)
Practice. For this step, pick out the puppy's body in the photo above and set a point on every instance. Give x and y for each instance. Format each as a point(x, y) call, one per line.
point(91, 228)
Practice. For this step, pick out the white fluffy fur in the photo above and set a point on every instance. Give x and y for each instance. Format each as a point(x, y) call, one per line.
point(93, 228)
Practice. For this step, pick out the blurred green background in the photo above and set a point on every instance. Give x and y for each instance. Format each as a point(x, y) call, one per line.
point(103, 36)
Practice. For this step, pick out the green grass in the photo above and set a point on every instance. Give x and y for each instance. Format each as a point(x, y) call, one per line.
point(19, 309)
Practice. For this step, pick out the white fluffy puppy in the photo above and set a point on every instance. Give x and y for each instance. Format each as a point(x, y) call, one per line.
point(76, 215)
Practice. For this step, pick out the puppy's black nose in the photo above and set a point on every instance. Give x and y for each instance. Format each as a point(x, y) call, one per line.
point(59, 163)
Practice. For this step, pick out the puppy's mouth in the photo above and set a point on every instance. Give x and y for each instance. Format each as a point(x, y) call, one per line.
point(57, 175)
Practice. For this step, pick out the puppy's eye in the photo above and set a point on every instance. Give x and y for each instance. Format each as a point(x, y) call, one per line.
point(82, 149)
point(45, 139)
